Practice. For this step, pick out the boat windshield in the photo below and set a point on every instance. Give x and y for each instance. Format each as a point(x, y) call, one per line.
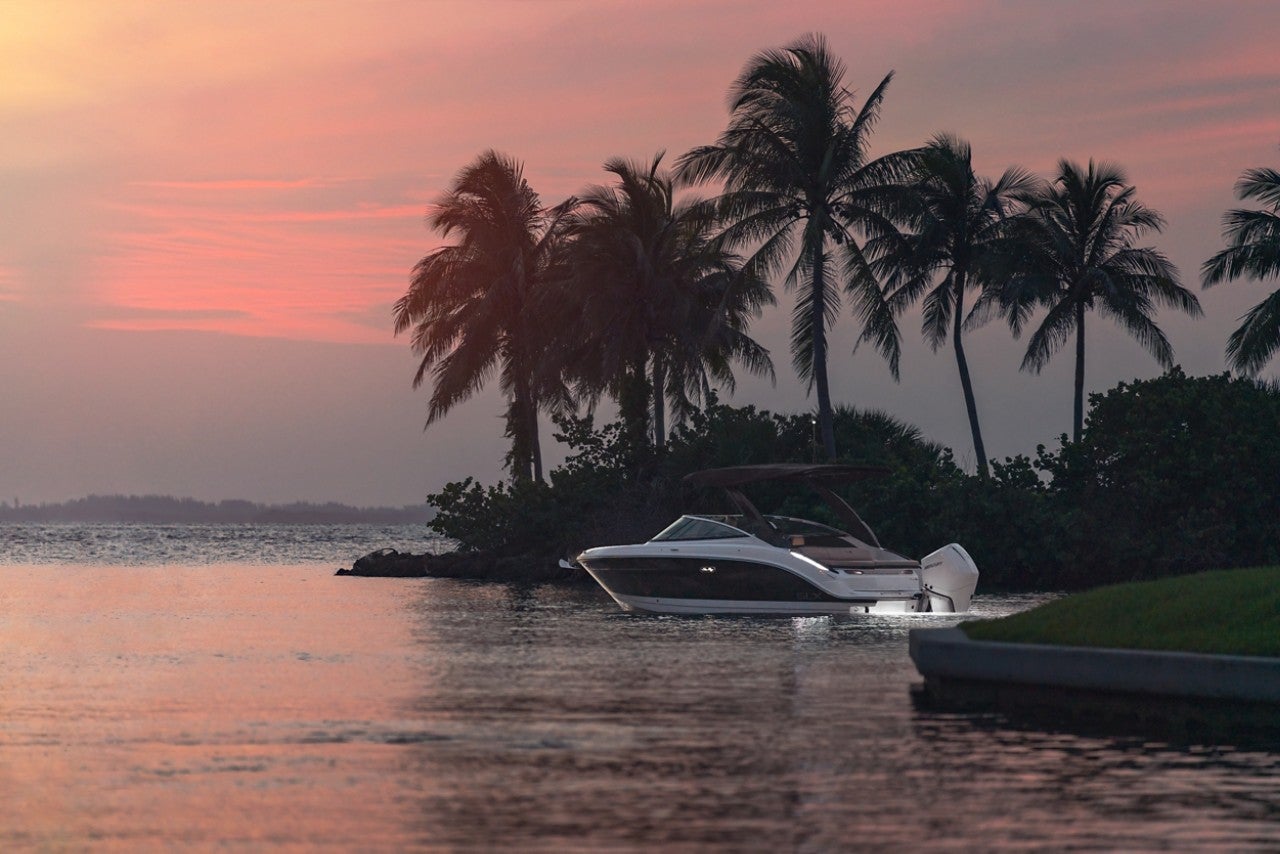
point(788, 527)
point(698, 528)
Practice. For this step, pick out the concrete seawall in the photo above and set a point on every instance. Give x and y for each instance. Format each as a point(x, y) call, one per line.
point(948, 656)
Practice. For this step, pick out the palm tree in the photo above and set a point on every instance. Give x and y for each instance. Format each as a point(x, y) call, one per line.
point(472, 305)
point(1254, 252)
point(662, 309)
point(1080, 256)
point(795, 169)
point(959, 220)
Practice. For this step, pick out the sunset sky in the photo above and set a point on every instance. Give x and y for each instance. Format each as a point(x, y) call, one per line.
point(209, 208)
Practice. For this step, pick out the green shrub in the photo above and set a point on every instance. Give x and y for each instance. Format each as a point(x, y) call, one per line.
point(1172, 475)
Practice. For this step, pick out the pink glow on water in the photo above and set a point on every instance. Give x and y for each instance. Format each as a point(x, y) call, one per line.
point(150, 707)
point(282, 708)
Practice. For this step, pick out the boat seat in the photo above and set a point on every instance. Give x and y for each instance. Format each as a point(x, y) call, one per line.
point(819, 541)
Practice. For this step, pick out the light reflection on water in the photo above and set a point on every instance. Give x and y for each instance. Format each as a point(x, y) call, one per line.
point(140, 544)
point(281, 706)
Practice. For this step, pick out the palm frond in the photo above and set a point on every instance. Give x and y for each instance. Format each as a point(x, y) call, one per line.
point(1052, 333)
point(861, 127)
point(1262, 184)
point(936, 315)
point(1257, 338)
point(870, 305)
point(1134, 314)
point(1254, 250)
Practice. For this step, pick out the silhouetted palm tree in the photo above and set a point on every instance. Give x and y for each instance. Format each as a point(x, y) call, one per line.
point(795, 168)
point(662, 310)
point(1254, 252)
point(1080, 257)
point(958, 221)
point(472, 306)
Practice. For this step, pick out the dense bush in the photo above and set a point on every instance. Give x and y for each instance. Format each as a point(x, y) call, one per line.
point(605, 489)
point(1172, 475)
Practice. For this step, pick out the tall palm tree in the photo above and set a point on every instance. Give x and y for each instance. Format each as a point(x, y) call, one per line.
point(795, 168)
point(1254, 252)
point(1080, 257)
point(472, 305)
point(959, 221)
point(662, 309)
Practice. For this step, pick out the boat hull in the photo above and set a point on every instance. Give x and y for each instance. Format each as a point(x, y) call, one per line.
point(659, 605)
point(716, 585)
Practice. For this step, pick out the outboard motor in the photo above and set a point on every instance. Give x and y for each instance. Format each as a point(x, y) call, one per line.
point(949, 577)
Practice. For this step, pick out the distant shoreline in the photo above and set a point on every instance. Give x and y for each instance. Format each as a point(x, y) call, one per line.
point(161, 509)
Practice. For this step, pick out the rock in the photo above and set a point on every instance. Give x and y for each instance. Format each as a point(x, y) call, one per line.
point(388, 563)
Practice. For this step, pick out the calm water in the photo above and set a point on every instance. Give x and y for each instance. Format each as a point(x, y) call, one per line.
point(171, 705)
point(160, 545)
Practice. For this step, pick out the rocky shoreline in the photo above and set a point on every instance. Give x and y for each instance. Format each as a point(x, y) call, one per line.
point(476, 566)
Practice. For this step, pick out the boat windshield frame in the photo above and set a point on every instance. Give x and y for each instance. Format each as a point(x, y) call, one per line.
point(811, 527)
point(700, 527)
point(818, 477)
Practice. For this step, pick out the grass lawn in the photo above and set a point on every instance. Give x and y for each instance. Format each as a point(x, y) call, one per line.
point(1231, 612)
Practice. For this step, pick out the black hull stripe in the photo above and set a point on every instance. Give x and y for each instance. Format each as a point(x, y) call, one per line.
point(689, 578)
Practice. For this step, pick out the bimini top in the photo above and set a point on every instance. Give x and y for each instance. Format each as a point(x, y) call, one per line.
point(739, 475)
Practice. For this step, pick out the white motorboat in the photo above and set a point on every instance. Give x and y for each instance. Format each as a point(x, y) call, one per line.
point(750, 563)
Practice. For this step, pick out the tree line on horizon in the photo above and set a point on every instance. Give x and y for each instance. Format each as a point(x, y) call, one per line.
point(635, 292)
point(161, 509)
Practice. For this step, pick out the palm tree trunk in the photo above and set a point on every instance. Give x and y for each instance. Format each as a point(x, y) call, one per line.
point(633, 403)
point(535, 442)
point(826, 422)
point(970, 403)
point(659, 405)
point(522, 426)
point(1078, 422)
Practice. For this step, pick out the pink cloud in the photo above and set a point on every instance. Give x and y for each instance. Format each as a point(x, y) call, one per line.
point(246, 184)
point(245, 263)
point(10, 284)
point(195, 213)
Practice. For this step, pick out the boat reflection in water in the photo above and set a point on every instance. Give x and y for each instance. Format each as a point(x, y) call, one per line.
point(750, 563)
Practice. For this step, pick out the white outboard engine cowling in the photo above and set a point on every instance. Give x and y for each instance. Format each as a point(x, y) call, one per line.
point(949, 577)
